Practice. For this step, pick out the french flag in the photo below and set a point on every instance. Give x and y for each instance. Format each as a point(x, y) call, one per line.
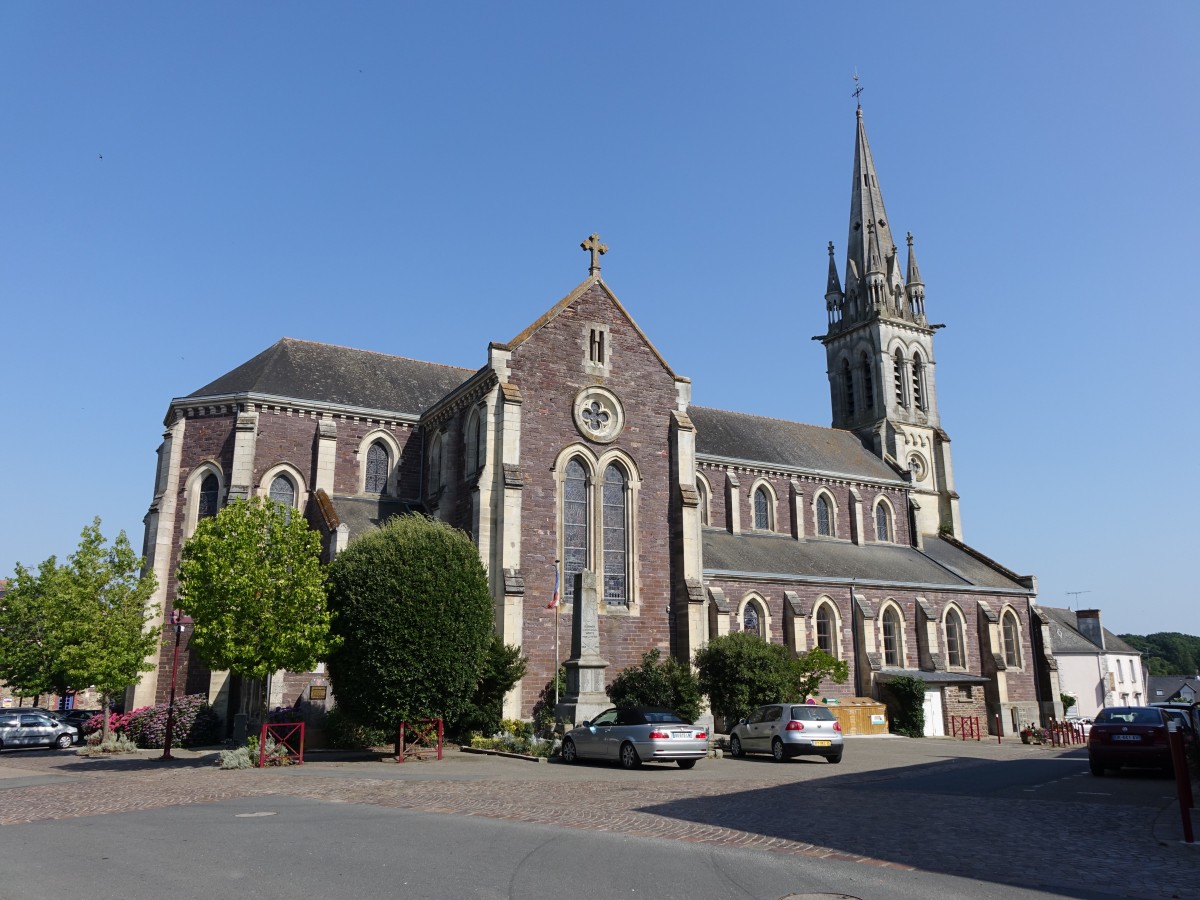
point(557, 599)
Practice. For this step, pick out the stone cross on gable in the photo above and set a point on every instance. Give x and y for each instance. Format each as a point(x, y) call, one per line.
point(597, 249)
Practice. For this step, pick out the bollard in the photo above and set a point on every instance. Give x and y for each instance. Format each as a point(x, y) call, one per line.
point(1183, 779)
point(999, 734)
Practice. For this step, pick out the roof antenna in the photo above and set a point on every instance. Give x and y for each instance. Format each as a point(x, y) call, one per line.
point(1075, 594)
point(858, 88)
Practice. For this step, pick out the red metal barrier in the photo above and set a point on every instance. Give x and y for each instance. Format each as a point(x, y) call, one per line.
point(420, 739)
point(1183, 780)
point(967, 726)
point(289, 736)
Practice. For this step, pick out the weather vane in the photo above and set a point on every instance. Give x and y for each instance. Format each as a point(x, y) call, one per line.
point(858, 88)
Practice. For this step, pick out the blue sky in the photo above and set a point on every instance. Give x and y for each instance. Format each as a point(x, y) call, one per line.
point(181, 185)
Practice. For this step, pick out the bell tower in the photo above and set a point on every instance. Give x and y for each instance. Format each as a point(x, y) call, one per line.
point(879, 351)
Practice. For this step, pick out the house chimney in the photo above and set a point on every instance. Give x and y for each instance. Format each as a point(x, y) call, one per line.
point(1088, 623)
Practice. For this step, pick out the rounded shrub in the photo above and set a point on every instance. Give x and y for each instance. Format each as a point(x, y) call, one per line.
point(413, 613)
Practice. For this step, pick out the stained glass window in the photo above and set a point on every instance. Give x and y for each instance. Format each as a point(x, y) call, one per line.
point(208, 497)
point(702, 490)
point(825, 629)
point(891, 638)
point(575, 526)
point(824, 522)
point(284, 492)
point(750, 620)
point(954, 640)
point(615, 592)
point(883, 525)
point(1012, 640)
point(377, 469)
point(762, 517)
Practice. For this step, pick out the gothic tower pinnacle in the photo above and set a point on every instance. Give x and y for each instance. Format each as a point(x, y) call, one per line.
point(879, 350)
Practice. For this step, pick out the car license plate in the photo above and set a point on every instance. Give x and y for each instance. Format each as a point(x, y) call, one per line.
point(822, 743)
point(1126, 737)
point(681, 734)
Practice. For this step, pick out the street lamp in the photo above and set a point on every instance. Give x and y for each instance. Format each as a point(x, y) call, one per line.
point(178, 622)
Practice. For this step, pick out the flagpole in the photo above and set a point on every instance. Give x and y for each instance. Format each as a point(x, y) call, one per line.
point(556, 608)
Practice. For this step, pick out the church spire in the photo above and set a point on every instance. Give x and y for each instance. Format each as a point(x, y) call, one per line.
point(914, 286)
point(870, 231)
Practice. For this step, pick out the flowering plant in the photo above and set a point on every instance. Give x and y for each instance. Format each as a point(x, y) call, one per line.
point(1032, 734)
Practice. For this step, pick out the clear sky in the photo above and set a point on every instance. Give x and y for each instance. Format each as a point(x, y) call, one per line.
point(183, 184)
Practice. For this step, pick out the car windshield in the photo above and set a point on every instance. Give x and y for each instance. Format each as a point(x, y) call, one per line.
point(1129, 715)
point(662, 717)
point(812, 714)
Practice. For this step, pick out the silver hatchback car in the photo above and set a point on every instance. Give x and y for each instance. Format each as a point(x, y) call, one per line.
point(789, 729)
point(19, 729)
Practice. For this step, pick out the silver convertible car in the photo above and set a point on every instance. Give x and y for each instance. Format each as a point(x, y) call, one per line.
point(636, 734)
point(789, 729)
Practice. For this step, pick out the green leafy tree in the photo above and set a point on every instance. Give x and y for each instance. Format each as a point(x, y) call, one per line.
point(34, 630)
point(82, 624)
point(1167, 652)
point(252, 580)
point(740, 671)
point(659, 682)
point(1068, 700)
point(503, 667)
point(414, 614)
point(814, 667)
point(114, 641)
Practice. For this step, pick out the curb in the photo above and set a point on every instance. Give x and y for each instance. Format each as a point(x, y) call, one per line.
point(521, 756)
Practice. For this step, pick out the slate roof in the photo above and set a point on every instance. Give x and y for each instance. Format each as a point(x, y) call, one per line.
point(1064, 630)
point(735, 435)
point(324, 373)
point(1170, 685)
point(781, 555)
point(932, 677)
point(363, 514)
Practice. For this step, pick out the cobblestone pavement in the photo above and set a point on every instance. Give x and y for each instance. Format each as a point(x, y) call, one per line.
point(858, 811)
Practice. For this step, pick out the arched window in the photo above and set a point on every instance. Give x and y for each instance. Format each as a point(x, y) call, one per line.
point(848, 387)
point(284, 492)
point(377, 469)
point(918, 378)
point(824, 517)
point(825, 629)
point(1012, 639)
point(956, 650)
point(891, 638)
point(575, 526)
point(762, 510)
point(435, 465)
point(751, 619)
point(868, 382)
point(883, 523)
point(615, 572)
point(476, 441)
point(209, 489)
point(898, 374)
point(702, 492)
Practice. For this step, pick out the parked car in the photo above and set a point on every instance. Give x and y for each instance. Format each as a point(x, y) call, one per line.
point(76, 717)
point(1084, 722)
point(636, 734)
point(789, 729)
point(1129, 736)
point(25, 729)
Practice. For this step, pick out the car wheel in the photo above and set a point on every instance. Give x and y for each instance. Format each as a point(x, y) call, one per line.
point(569, 754)
point(629, 757)
point(686, 763)
point(835, 758)
point(777, 750)
point(63, 742)
point(735, 746)
point(1097, 769)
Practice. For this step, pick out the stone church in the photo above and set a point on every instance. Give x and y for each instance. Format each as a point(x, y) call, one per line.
point(577, 443)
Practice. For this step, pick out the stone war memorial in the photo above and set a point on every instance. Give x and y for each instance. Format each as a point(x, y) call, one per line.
point(576, 441)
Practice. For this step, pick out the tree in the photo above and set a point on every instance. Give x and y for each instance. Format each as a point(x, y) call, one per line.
point(414, 615)
point(81, 624)
point(1068, 700)
point(112, 612)
point(503, 667)
point(252, 580)
point(34, 617)
point(668, 683)
point(740, 671)
point(814, 667)
point(905, 698)
point(1167, 652)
